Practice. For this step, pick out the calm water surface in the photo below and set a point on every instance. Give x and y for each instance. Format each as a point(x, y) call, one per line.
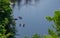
point(34, 17)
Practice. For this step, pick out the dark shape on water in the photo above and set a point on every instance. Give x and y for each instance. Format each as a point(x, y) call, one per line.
point(20, 17)
point(19, 25)
point(26, 1)
point(23, 25)
point(19, 1)
point(13, 5)
point(15, 19)
point(30, 0)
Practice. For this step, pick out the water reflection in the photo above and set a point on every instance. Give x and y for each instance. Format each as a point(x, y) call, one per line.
point(21, 25)
point(15, 19)
point(28, 1)
point(19, 2)
point(20, 17)
point(25, 2)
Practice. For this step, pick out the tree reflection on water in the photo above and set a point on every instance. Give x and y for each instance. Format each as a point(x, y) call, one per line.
point(25, 2)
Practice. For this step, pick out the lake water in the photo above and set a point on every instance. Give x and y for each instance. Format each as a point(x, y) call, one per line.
point(34, 17)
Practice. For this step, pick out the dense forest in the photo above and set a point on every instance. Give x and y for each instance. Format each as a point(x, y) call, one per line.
point(7, 22)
